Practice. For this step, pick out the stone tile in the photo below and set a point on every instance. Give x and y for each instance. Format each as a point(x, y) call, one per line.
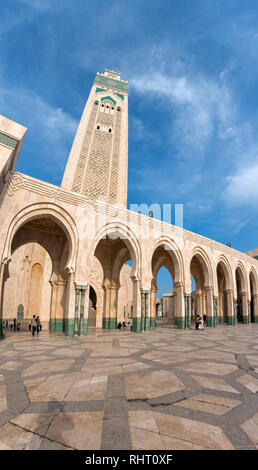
point(218, 355)
point(143, 420)
point(171, 443)
point(209, 368)
point(214, 383)
point(46, 444)
point(96, 364)
point(36, 358)
point(36, 423)
point(2, 391)
point(11, 365)
point(46, 367)
point(83, 389)
point(251, 429)
point(250, 382)
point(67, 352)
point(196, 432)
point(146, 440)
point(53, 388)
point(134, 366)
point(15, 438)
point(152, 384)
point(10, 353)
point(3, 404)
point(80, 431)
point(209, 404)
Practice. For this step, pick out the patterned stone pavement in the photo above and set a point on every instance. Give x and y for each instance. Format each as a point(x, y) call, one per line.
point(165, 389)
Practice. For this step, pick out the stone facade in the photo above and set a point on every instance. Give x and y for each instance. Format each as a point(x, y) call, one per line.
point(76, 239)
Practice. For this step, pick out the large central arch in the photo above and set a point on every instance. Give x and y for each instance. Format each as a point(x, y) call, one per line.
point(165, 253)
point(202, 298)
point(225, 308)
point(115, 245)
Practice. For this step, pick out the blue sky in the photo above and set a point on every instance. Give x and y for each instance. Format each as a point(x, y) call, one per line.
point(192, 68)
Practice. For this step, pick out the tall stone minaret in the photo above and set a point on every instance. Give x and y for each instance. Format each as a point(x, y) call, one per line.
point(97, 164)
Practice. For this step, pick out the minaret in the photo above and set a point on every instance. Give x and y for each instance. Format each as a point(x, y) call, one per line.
point(97, 164)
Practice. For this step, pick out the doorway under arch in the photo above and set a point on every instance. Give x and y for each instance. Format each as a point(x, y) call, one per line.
point(41, 248)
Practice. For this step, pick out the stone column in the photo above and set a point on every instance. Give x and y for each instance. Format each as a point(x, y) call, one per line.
point(76, 310)
point(255, 307)
point(179, 307)
point(249, 310)
point(106, 308)
point(57, 322)
point(137, 321)
point(231, 317)
point(215, 310)
point(2, 267)
point(204, 304)
point(113, 307)
point(245, 314)
point(198, 296)
point(142, 310)
point(188, 311)
point(219, 317)
point(83, 323)
point(235, 309)
point(153, 307)
point(210, 321)
point(69, 306)
point(52, 320)
point(147, 311)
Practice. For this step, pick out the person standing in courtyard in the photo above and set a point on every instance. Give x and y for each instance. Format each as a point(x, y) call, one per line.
point(38, 324)
point(33, 325)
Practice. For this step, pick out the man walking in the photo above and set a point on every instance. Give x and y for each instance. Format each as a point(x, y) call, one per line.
point(33, 325)
point(39, 326)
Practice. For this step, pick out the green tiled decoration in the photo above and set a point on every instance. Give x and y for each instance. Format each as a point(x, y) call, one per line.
point(111, 83)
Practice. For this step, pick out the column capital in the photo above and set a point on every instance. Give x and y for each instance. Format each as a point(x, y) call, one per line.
point(179, 284)
point(81, 286)
point(243, 293)
point(208, 288)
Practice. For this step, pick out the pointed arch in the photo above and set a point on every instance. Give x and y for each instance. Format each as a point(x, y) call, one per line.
point(204, 260)
point(41, 210)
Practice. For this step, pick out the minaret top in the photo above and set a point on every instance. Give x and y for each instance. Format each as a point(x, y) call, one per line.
point(111, 80)
point(112, 74)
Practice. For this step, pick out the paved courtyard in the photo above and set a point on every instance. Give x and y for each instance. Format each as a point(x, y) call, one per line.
point(165, 389)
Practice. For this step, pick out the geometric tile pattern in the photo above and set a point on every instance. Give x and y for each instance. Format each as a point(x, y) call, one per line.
point(164, 389)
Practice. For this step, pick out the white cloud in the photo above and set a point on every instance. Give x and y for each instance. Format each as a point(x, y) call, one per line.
point(198, 104)
point(242, 187)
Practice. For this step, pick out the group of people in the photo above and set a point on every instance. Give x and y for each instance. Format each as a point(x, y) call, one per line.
point(122, 325)
point(199, 322)
point(35, 325)
point(13, 326)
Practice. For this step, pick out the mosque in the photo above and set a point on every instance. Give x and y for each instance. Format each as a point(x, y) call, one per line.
point(75, 255)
